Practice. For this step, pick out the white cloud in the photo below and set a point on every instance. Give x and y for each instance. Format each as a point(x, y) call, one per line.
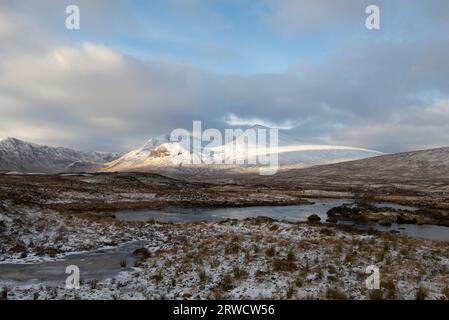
point(93, 96)
point(234, 120)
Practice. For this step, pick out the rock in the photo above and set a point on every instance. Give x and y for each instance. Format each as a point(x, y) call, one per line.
point(314, 218)
point(385, 223)
point(406, 220)
point(332, 220)
point(350, 213)
point(142, 253)
point(327, 232)
point(261, 219)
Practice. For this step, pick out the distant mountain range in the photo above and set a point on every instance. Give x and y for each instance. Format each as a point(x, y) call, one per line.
point(160, 152)
point(21, 156)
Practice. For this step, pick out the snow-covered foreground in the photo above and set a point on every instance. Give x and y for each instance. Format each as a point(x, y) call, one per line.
point(255, 258)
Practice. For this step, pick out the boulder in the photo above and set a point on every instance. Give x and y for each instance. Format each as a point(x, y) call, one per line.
point(385, 223)
point(142, 253)
point(314, 218)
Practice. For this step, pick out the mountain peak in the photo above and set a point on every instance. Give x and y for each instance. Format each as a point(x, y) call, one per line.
point(12, 140)
point(156, 141)
point(290, 152)
point(9, 139)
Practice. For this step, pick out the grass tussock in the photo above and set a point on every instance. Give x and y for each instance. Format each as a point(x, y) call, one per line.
point(445, 291)
point(376, 295)
point(239, 273)
point(281, 265)
point(421, 293)
point(270, 252)
point(232, 248)
point(335, 294)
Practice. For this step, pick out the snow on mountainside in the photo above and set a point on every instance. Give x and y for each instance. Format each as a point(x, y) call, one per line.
point(414, 172)
point(422, 164)
point(160, 152)
point(20, 156)
point(156, 151)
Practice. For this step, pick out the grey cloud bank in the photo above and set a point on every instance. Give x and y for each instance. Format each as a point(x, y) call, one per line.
point(386, 91)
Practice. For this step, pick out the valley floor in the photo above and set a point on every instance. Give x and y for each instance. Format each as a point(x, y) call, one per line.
point(48, 218)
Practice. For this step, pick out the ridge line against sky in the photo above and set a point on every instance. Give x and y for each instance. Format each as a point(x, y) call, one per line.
point(137, 69)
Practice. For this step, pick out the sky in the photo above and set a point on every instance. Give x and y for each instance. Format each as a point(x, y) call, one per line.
point(137, 69)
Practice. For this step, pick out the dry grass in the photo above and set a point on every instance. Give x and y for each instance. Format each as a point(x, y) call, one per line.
point(239, 273)
point(421, 293)
point(270, 252)
point(281, 265)
point(445, 291)
point(232, 248)
point(335, 294)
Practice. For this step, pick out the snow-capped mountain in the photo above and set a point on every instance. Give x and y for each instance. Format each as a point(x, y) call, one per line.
point(156, 151)
point(160, 151)
point(21, 156)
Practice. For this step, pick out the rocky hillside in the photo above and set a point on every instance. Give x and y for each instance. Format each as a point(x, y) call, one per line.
point(21, 156)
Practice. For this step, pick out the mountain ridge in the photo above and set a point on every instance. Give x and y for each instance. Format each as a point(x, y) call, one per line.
point(159, 151)
point(22, 156)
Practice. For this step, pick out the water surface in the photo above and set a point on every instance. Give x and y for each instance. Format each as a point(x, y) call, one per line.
point(94, 265)
point(295, 213)
point(187, 214)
